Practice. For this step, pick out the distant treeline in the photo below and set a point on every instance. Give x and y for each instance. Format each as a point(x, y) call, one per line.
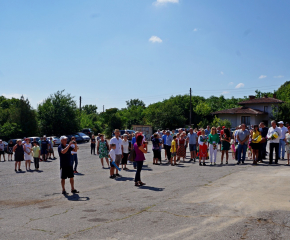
point(58, 114)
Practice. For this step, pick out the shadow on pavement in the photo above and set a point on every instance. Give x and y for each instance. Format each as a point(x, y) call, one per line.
point(124, 179)
point(76, 197)
point(151, 188)
point(79, 174)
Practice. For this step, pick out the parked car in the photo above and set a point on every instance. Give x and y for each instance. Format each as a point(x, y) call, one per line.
point(13, 141)
point(55, 140)
point(84, 136)
point(122, 132)
point(88, 132)
point(79, 139)
point(32, 139)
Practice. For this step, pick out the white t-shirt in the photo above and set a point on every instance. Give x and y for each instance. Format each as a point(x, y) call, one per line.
point(125, 145)
point(112, 155)
point(73, 146)
point(118, 143)
point(27, 150)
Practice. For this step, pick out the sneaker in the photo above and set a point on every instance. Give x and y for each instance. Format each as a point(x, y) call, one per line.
point(112, 177)
point(19, 170)
point(238, 163)
point(76, 171)
point(64, 192)
point(200, 164)
point(15, 170)
point(118, 175)
point(74, 191)
point(204, 164)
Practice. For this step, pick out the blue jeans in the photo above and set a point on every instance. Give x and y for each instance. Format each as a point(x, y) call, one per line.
point(240, 149)
point(282, 145)
point(74, 160)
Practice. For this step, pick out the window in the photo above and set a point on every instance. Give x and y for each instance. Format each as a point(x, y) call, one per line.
point(265, 109)
point(246, 120)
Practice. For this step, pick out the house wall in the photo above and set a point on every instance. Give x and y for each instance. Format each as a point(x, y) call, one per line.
point(236, 119)
point(146, 129)
point(261, 107)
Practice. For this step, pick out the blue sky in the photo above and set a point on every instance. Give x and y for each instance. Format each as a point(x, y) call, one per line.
point(110, 51)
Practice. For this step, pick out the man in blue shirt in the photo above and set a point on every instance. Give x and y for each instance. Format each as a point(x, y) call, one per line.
point(164, 142)
point(169, 139)
point(66, 169)
point(192, 140)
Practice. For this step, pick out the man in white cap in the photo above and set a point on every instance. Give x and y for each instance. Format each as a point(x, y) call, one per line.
point(66, 169)
point(282, 142)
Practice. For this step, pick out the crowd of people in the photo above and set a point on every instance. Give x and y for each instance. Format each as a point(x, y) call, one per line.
point(203, 144)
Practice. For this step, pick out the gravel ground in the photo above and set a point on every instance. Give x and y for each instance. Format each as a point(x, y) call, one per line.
point(187, 201)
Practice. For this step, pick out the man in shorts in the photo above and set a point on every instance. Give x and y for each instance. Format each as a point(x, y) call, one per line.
point(66, 170)
point(2, 150)
point(118, 151)
point(192, 140)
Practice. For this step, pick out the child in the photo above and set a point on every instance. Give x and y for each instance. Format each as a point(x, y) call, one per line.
point(173, 151)
point(250, 148)
point(233, 148)
point(112, 156)
point(202, 147)
point(36, 154)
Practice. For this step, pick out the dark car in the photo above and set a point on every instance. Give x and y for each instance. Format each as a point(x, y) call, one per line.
point(13, 141)
point(88, 132)
point(122, 132)
point(79, 139)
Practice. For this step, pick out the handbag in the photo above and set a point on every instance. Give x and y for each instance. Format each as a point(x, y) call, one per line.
point(132, 155)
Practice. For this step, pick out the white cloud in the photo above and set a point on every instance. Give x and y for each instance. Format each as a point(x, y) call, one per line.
point(155, 39)
point(195, 30)
point(162, 2)
point(262, 76)
point(280, 76)
point(13, 95)
point(240, 85)
point(225, 92)
point(222, 73)
point(231, 83)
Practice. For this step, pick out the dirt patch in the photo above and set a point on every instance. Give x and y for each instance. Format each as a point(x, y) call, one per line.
point(21, 203)
point(98, 220)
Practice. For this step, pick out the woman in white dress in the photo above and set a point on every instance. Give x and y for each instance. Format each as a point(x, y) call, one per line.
point(27, 153)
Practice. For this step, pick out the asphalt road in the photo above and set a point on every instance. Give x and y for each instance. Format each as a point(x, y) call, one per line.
point(187, 201)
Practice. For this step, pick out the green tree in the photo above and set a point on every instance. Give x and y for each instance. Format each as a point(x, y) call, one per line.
point(283, 92)
point(135, 103)
point(58, 114)
point(90, 109)
point(221, 122)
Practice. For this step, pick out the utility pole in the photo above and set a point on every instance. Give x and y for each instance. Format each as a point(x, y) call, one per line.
point(80, 103)
point(190, 108)
point(103, 108)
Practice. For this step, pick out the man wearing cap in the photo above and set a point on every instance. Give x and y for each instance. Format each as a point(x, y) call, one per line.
point(2, 150)
point(282, 142)
point(44, 148)
point(118, 151)
point(66, 169)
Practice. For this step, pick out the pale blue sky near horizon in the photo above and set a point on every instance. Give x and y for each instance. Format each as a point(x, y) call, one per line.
point(112, 51)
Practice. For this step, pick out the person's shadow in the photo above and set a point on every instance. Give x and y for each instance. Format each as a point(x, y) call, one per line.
point(76, 197)
point(124, 179)
point(151, 188)
point(79, 174)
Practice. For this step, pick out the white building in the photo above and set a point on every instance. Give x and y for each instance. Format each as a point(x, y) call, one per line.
point(251, 112)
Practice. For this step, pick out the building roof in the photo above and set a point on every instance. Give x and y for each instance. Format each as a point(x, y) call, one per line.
point(261, 100)
point(240, 110)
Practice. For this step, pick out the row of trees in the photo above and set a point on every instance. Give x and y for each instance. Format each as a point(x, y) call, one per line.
point(59, 114)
